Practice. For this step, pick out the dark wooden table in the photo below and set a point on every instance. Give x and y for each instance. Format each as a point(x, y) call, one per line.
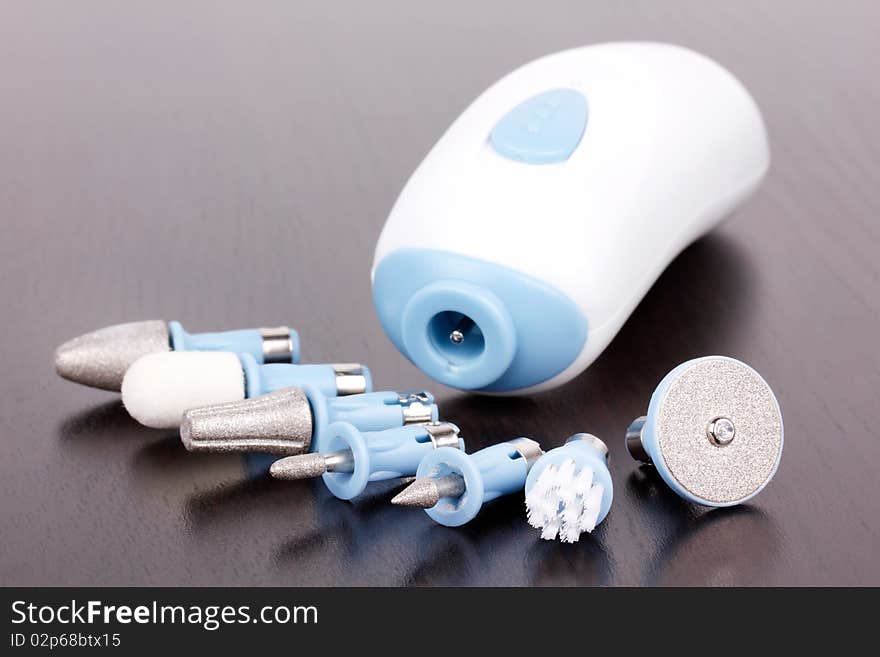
point(228, 165)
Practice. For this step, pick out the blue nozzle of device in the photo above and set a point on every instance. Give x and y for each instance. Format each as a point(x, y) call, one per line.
point(473, 324)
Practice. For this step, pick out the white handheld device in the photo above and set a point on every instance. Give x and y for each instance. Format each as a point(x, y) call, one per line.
point(532, 229)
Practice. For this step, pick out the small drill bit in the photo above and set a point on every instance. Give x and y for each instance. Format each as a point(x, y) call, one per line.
point(309, 466)
point(426, 492)
point(469, 480)
point(362, 457)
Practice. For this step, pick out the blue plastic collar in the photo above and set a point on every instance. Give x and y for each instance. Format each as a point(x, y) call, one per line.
point(377, 455)
point(263, 379)
point(245, 340)
point(489, 473)
point(373, 411)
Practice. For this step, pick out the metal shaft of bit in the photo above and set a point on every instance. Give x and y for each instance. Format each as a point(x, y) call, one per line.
point(308, 466)
point(465, 324)
point(426, 492)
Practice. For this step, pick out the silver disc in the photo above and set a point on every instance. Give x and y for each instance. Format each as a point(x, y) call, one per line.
point(722, 389)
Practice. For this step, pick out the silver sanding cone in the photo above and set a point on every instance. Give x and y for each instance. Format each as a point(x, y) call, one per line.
point(101, 358)
point(277, 423)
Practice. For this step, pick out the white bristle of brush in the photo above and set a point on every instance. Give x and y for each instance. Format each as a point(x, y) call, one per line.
point(158, 388)
point(564, 502)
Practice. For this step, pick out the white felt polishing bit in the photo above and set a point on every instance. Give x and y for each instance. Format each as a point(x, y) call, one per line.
point(568, 490)
point(158, 388)
point(713, 431)
point(101, 358)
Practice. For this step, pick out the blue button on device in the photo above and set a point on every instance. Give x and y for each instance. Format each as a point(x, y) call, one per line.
point(543, 129)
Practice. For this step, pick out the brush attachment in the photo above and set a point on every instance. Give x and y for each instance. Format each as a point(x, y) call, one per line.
point(158, 388)
point(569, 491)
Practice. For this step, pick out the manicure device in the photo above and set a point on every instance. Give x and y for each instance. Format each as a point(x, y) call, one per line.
point(158, 388)
point(101, 358)
point(713, 431)
point(568, 490)
point(534, 226)
point(348, 459)
point(288, 421)
point(452, 486)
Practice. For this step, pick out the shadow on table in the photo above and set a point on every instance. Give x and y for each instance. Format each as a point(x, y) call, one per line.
point(363, 535)
point(733, 546)
point(251, 503)
point(101, 426)
point(498, 548)
point(370, 541)
point(165, 463)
